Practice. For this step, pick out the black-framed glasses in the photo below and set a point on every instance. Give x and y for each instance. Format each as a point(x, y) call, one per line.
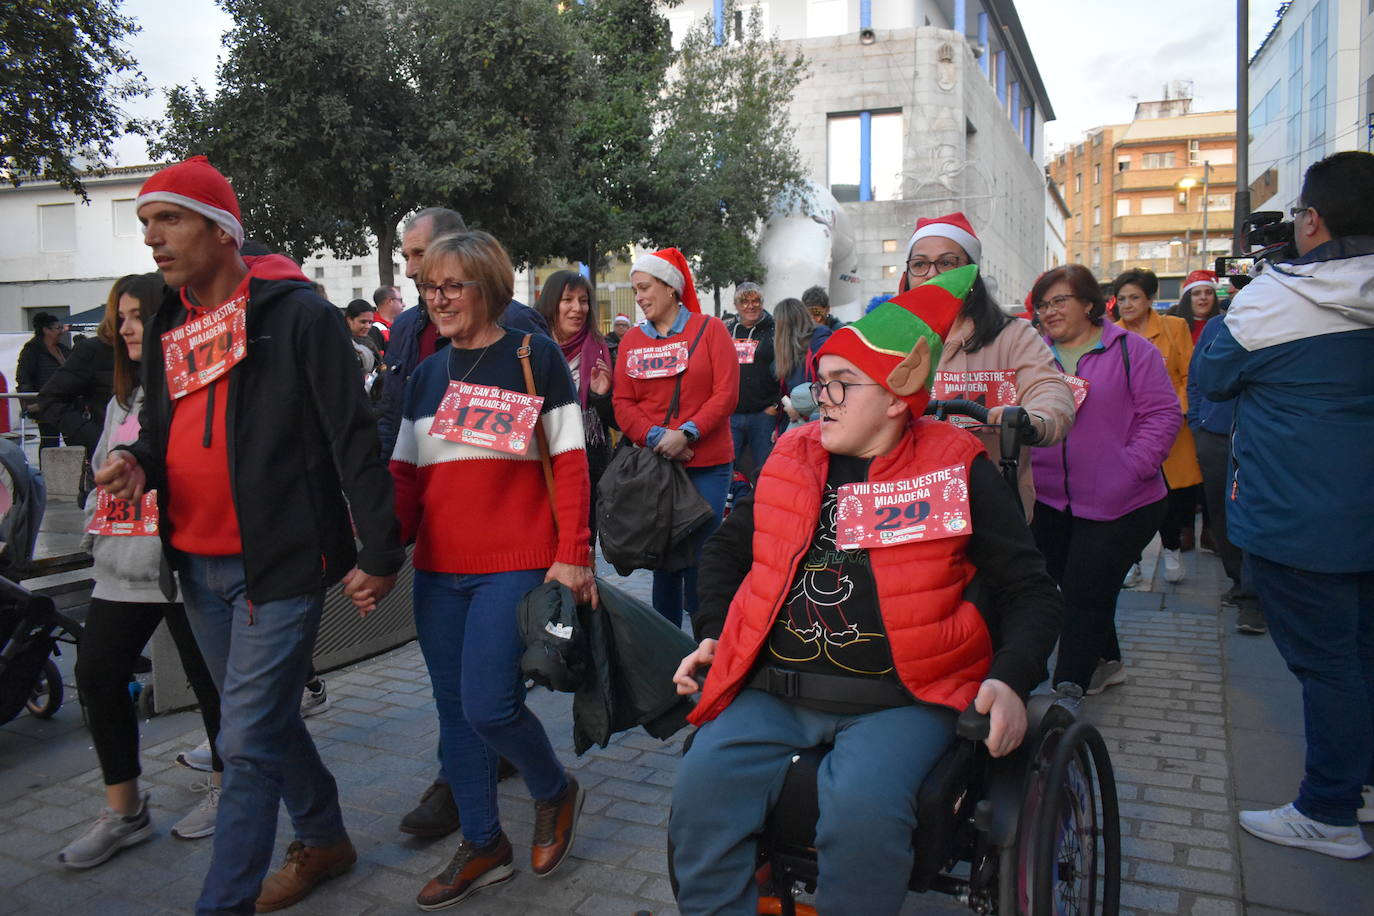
point(1057, 304)
point(1294, 211)
point(835, 390)
point(451, 289)
point(919, 267)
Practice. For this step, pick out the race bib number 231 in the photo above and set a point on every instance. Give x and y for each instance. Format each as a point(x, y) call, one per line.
point(122, 517)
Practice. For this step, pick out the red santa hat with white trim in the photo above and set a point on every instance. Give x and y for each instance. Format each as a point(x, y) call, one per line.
point(953, 226)
point(670, 266)
point(1196, 279)
point(200, 187)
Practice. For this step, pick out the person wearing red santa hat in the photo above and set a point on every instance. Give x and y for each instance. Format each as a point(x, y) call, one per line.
point(263, 451)
point(1198, 302)
point(678, 357)
point(989, 357)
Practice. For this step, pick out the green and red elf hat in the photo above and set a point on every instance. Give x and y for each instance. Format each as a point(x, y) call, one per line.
point(886, 343)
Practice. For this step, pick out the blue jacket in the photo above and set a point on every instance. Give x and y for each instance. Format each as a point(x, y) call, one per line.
point(403, 355)
point(1297, 352)
point(1204, 413)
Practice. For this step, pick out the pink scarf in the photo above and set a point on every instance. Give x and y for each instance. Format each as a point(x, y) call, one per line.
point(591, 348)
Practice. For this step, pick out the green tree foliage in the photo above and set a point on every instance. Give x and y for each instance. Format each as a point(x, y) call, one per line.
point(315, 121)
point(725, 155)
point(63, 74)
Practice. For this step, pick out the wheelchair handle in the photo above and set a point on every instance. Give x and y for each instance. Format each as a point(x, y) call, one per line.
point(973, 725)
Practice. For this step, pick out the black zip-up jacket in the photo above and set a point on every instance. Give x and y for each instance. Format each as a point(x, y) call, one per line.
point(74, 399)
point(758, 386)
point(303, 450)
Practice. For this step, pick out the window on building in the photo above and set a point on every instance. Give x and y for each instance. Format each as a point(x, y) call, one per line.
point(124, 217)
point(1123, 251)
point(31, 311)
point(357, 292)
point(1097, 216)
point(889, 246)
point(827, 17)
point(1268, 108)
point(1078, 222)
point(1097, 173)
point(1097, 257)
point(1317, 122)
point(1155, 250)
point(1295, 62)
point(1028, 128)
point(1217, 156)
point(357, 270)
point(865, 167)
point(1154, 206)
point(1077, 182)
point(890, 272)
point(743, 16)
point(319, 273)
point(1123, 163)
point(1123, 207)
point(57, 227)
point(1158, 160)
point(1218, 201)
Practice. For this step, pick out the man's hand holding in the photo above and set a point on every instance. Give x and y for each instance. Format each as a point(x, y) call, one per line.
point(997, 700)
point(703, 656)
point(122, 476)
point(365, 590)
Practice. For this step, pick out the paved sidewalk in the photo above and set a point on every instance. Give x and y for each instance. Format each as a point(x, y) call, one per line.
point(1207, 718)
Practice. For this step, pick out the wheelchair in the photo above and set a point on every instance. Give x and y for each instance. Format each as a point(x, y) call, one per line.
point(1034, 833)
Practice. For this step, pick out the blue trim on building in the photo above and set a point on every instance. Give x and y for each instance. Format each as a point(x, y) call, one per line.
point(1002, 77)
point(961, 16)
point(718, 16)
point(865, 14)
point(865, 155)
point(983, 41)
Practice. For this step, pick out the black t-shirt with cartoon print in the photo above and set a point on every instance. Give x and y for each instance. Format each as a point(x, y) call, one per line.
point(829, 623)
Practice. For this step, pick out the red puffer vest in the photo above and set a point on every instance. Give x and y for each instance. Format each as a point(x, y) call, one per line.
point(940, 643)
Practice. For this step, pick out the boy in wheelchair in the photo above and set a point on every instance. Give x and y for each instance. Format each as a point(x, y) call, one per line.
point(849, 623)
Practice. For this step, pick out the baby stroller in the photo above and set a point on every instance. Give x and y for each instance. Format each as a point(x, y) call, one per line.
point(30, 626)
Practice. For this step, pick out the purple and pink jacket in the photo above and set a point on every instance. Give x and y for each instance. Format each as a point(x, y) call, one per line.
point(1109, 464)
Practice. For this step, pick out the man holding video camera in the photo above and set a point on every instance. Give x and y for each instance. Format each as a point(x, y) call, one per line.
point(1297, 352)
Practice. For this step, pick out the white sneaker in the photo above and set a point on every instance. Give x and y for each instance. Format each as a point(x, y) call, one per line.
point(314, 701)
point(197, 758)
point(1133, 577)
point(109, 834)
point(1173, 565)
point(1366, 813)
point(200, 821)
point(1106, 674)
point(1289, 827)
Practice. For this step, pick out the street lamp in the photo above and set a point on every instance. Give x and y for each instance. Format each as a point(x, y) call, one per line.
point(1187, 183)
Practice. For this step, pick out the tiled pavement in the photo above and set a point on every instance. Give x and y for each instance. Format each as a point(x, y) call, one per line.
point(1207, 718)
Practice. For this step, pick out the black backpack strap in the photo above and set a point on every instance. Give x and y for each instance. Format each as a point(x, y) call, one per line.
point(677, 388)
point(1126, 360)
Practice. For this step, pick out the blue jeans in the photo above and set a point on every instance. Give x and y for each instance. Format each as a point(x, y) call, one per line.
point(1323, 626)
point(754, 432)
point(259, 658)
point(467, 631)
point(867, 786)
point(676, 591)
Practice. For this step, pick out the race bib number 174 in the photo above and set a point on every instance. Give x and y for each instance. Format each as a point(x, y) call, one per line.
point(203, 349)
point(890, 512)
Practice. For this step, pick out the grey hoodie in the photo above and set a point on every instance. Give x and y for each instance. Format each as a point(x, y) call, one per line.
point(126, 568)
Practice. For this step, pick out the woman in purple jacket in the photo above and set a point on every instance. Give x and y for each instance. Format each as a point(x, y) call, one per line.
point(1100, 495)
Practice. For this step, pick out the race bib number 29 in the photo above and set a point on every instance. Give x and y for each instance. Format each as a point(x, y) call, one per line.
point(891, 512)
point(487, 417)
point(203, 349)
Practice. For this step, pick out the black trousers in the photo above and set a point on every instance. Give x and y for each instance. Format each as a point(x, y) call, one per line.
point(1089, 559)
point(1214, 456)
point(115, 634)
point(1180, 513)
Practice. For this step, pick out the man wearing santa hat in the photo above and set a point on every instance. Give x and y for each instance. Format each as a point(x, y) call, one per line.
point(264, 455)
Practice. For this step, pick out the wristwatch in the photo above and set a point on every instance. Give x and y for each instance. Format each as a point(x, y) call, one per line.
point(691, 436)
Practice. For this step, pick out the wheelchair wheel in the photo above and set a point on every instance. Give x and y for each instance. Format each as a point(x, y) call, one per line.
point(1075, 835)
point(46, 697)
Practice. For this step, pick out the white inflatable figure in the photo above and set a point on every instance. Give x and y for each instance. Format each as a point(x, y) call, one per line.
point(811, 244)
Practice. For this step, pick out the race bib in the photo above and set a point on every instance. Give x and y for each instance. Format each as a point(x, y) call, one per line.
point(1079, 387)
point(989, 387)
point(663, 361)
point(744, 349)
point(891, 512)
point(122, 518)
point(487, 417)
point(205, 348)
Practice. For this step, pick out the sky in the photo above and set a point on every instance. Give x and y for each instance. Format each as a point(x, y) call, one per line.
point(1096, 58)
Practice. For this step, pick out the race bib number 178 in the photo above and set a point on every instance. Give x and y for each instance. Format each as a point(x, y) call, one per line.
point(203, 349)
point(487, 417)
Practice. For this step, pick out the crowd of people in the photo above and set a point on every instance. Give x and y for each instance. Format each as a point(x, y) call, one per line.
point(832, 605)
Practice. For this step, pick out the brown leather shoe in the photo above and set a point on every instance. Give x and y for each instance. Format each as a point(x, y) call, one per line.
point(471, 869)
point(555, 828)
point(305, 867)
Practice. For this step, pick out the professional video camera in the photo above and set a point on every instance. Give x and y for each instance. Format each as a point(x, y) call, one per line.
point(1271, 233)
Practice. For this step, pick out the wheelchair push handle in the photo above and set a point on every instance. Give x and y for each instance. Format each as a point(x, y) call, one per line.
point(973, 725)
